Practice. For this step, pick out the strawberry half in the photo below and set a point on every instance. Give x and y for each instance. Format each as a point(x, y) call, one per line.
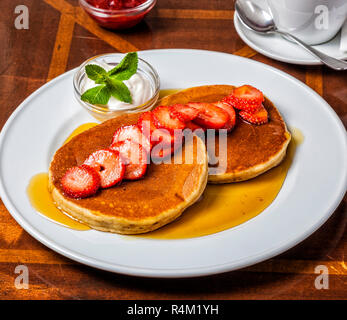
point(245, 98)
point(258, 117)
point(80, 182)
point(183, 112)
point(163, 119)
point(109, 165)
point(134, 156)
point(210, 116)
point(232, 115)
point(133, 133)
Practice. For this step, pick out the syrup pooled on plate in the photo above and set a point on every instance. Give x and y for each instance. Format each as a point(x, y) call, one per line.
point(221, 207)
point(41, 199)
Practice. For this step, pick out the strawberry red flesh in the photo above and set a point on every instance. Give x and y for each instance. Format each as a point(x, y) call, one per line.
point(133, 133)
point(245, 98)
point(183, 112)
point(80, 182)
point(146, 123)
point(193, 126)
point(134, 156)
point(210, 116)
point(232, 115)
point(258, 117)
point(161, 152)
point(168, 142)
point(109, 165)
point(163, 119)
point(250, 108)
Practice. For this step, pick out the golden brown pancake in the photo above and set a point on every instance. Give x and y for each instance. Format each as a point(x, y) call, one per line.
point(133, 206)
point(167, 189)
point(251, 149)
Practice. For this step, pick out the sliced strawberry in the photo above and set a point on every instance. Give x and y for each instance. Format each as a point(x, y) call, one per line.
point(232, 115)
point(258, 117)
point(157, 135)
point(193, 126)
point(161, 135)
point(210, 116)
point(133, 133)
point(134, 156)
point(169, 142)
point(250, 108)
point(161, 152)
point(80, 182)
point(163, 119)
point(183, 112)
point(146, 123)
point(167, 137)
point(245, 98)
point(109, 165)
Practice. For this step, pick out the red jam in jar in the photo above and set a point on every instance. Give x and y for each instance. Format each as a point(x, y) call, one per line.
point(115, 4)
point(120, 14)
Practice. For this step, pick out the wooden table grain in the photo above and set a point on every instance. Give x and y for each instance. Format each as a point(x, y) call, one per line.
point(59, 38)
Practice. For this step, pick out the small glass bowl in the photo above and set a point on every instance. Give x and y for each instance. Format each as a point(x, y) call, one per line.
point(103, 113)
point(118, 19)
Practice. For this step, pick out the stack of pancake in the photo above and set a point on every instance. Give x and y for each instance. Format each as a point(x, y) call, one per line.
point(167, 188)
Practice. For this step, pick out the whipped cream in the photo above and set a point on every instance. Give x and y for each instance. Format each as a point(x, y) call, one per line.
point(140, 89)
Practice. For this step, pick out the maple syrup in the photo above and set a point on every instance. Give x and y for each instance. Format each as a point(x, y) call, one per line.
point(41, 199)
point(221, 206)
point(165, 92)
point(80, 129)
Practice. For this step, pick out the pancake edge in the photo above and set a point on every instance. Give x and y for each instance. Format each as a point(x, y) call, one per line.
point(121, 225)
point(253, 171)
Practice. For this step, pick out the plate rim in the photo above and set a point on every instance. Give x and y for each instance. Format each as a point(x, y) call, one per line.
point(239, 29)
point(168, 273)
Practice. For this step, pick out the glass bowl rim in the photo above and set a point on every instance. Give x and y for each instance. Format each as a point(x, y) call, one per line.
point(141, 7)
point(101, 109)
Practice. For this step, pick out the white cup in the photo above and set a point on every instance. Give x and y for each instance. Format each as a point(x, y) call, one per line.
point(312, 21)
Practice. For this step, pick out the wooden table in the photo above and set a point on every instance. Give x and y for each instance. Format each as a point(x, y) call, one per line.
point(59, 38)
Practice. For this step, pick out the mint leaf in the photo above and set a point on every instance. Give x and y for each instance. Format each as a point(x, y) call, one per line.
point(119, 90)
point(126, 68)
point(97, 95)
point(111, 82)
point(96, 73)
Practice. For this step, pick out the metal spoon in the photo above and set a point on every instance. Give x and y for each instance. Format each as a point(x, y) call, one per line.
point(259, 20)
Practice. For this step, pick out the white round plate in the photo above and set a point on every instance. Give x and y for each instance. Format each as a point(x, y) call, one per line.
point(278, 48)
point(315, 184)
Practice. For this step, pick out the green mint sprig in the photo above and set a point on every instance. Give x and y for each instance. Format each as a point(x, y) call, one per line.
point(111, 82)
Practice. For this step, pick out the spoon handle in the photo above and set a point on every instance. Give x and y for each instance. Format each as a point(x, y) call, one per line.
point(331, 62)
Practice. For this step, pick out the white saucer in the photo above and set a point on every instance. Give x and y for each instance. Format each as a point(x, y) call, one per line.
point(278, 48)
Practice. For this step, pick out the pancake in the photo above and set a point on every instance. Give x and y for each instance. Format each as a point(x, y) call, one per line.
point(251, 149)
point(133, 207)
